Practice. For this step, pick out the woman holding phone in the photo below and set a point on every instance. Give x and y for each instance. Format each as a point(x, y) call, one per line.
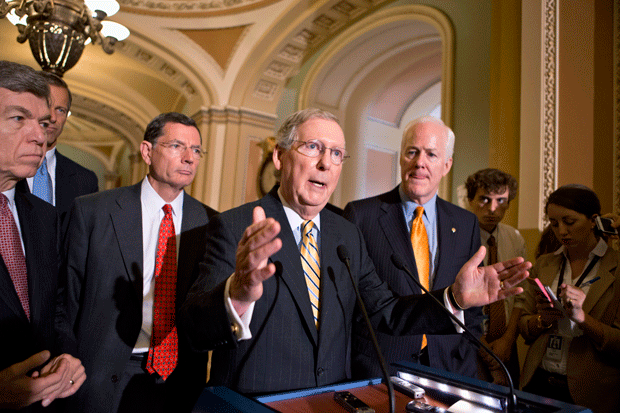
point(574, 353)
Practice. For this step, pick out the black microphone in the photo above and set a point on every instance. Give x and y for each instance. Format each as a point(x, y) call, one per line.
point(343, 254)
point(512, 398)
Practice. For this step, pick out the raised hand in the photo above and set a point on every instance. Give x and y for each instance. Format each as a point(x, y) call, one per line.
point(477, 286)
point(252, 265)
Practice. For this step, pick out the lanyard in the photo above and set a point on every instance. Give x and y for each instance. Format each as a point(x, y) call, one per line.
point(583, 275)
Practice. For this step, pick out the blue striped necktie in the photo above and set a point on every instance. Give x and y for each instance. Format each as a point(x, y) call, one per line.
point(311, 265)
point(42, 184)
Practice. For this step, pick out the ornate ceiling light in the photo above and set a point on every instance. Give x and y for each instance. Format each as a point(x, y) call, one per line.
point(58, 30)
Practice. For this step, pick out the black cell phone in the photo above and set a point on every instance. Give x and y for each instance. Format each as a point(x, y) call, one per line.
point(604, 225)
point(352, 403)
point(417, 406)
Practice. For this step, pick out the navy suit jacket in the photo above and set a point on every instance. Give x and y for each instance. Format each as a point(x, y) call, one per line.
point(72, 180)
point(102, 286)
point(382, 222)
point(22, 338)
point(286, 351)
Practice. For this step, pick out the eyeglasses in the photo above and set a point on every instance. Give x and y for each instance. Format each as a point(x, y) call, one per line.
point(178, 149)
point(313, 149)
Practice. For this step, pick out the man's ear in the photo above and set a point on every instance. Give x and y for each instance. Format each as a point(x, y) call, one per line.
point(146, 149)
point(276, 157)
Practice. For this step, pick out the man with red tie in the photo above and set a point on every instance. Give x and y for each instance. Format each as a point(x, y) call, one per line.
point(28, 253)
point(131, 255)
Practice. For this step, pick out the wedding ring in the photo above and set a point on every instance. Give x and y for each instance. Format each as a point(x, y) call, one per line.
point(71, 382)
point(501, 285)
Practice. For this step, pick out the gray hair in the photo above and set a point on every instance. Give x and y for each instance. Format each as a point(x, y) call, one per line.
point(428, 118)
point(23, 79)
point(287, 133)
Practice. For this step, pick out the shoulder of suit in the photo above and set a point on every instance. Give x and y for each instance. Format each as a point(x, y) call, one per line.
point(375, 201)
point(190, 200)
point(455, 209)
point(64, 161)
point(109, 195)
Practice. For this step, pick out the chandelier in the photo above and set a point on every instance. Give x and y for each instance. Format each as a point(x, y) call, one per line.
point(58, 30)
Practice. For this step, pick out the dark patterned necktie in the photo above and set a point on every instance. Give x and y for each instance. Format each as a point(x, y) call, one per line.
point(13, 254)
point(496, 311)
point(164, 349)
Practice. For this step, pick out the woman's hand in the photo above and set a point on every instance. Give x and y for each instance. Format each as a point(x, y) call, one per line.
point(573, 298)
point(548, 314)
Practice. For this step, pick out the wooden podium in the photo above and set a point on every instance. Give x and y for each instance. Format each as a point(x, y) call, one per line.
point(442, 389)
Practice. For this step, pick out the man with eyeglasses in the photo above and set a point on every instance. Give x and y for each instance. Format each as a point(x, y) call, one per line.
point(387, 222)
point(273, 299)
point(131, 255)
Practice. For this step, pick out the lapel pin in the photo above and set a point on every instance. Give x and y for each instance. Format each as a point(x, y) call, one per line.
point(453, 229)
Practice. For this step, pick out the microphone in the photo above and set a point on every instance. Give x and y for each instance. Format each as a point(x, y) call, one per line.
point(343, 254)
point(512, 398)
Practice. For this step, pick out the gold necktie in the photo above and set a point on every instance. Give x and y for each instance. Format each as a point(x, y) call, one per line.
point(311, 265)
point(419, 242)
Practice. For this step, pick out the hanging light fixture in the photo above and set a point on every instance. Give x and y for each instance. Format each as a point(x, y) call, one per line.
point(58, 30)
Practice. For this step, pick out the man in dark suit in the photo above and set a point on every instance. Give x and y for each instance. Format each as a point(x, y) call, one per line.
point(29, 253)
point(68, 178)
point(258, 302)
point(117, 280)
point(453, 237)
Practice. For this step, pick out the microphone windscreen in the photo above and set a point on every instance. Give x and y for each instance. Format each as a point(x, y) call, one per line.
point(398, 262)
point(343, 253)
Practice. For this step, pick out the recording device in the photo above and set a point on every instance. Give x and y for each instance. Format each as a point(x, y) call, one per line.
point(604, 225)
point(512, 398)
point(343, 255)
point(407, 387)
point(352, 403)
point(417, 406)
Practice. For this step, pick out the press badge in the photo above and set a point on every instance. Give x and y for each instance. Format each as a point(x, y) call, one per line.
point(554, 347)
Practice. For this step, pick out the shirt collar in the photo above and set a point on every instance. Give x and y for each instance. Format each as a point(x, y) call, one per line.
point(294, 220)
point(154, 203)
point(600, 249)
point(430, 207)
point(10, 195)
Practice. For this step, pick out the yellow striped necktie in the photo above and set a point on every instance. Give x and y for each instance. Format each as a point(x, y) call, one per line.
point(419, 242)
point(311, 265)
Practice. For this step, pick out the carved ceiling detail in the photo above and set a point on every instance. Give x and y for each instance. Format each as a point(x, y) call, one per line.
point(304, 42)
point(190, 8)
point(159, 65)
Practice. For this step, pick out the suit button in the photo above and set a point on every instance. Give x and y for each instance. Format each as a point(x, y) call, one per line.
point(114, 379)
point(320, 371)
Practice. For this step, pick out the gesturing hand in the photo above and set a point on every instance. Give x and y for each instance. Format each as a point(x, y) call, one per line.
point(477, 286)
point(252, 265)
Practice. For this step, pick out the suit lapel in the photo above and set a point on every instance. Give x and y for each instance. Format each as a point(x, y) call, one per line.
point(393, 225)
point(606, 270)
point(9, 295)
point(331, 273)
point(446, 241)
point(191, 242)
point(292, 272)
point(127, 222)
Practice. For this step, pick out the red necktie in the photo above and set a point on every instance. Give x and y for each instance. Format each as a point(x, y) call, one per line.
point(164, 350)
point(12, 253)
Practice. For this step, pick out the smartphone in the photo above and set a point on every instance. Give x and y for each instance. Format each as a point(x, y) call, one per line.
point(352, 403)
point(604, 225)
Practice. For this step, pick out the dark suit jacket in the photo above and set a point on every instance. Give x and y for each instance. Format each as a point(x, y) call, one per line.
point(72, 180)
point(102, 312)
point(21, 338)
point(382, 223)
point(286, 350)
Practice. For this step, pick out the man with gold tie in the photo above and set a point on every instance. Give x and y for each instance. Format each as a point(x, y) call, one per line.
point(434, 237)
point(489, 192)
point(255, 301)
